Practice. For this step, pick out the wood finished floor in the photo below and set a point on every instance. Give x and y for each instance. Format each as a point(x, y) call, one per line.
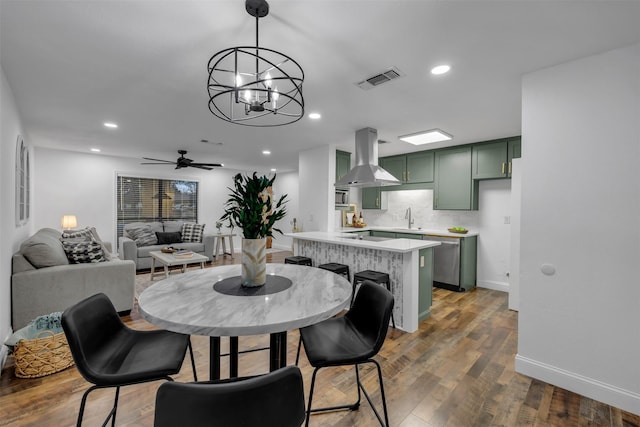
point(456, 370)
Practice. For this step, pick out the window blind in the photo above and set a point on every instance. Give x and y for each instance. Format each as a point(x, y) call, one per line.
point(153, 199)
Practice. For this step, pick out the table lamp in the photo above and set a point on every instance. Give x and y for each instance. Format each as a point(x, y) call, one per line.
point(69, 222)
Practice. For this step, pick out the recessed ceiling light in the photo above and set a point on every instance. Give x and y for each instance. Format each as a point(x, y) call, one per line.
point(315, 116)
point(110, 125)
point(266, 152)
point(440, 69)
point(273, 169)
point(95, 150)
point(426, 137)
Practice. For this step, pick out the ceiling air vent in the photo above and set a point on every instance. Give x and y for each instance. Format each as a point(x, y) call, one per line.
point(380, 78)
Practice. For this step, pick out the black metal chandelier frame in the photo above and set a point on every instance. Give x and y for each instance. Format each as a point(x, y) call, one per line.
point(266, 99)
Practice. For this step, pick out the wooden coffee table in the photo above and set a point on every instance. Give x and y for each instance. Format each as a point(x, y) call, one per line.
point(169, 260)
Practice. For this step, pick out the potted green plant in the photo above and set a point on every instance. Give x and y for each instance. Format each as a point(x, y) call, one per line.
point(251, 208)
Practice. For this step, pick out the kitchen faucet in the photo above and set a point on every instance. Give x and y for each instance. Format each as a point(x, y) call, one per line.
point(407, 215)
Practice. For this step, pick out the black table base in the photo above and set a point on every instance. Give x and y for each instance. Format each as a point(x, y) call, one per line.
point(277, 354)
point(278, 341)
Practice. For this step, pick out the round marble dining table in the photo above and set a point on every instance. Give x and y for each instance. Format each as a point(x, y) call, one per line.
point(211, 302)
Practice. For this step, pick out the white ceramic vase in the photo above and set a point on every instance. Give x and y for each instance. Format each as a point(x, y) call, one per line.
point(254, 262)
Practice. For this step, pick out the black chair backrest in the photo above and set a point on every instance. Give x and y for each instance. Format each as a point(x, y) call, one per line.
point(89, 326)
point(275, 399)
point(371, 312)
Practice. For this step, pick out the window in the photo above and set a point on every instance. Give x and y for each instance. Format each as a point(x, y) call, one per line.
point(153, 199)
point(23, 184)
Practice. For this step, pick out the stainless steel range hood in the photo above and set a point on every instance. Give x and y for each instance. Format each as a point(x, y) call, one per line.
point(366, 172)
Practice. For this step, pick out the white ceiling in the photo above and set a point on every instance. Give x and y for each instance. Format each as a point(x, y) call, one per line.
point(73, 65)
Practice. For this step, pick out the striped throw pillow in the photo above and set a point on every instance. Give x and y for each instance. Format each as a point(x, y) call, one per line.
point(192, 232)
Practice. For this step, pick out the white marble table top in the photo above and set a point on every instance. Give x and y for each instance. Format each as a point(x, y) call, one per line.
point(188, 304)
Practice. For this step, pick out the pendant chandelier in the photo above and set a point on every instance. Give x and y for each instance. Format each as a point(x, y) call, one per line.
point(253, 85)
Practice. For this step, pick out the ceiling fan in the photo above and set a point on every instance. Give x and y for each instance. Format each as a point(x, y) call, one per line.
point(183, 162)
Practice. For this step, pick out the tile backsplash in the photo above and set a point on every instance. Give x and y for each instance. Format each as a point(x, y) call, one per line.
point(421, 203)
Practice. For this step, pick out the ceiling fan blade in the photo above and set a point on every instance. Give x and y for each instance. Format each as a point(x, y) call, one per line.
point(200, 166)
point(215, 165)
point(159, 160)
point(163, 164)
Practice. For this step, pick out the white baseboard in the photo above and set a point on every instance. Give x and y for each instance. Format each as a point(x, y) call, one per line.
point(496, 286)
point(615, 396)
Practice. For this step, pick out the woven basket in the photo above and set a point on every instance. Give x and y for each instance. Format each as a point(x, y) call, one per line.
point(43, 355)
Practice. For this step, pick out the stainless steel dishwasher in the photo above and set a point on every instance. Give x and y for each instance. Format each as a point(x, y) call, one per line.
point(446, 262)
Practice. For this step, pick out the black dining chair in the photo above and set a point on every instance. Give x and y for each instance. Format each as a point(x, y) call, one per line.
point(109, 354)
point(353, 339)
point(274, 399)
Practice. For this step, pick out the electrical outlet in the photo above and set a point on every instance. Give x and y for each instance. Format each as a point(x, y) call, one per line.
point(507, 220)
point(422, 261)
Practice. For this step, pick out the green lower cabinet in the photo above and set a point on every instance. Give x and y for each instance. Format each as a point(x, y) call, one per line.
point(408, 236)
point(468, 262)
point(389, 234)
point(425, 282)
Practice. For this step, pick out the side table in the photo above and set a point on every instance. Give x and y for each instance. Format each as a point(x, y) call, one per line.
point(220, 237)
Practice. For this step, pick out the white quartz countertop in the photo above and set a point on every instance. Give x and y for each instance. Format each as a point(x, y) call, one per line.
point(348, 239)
point(420, 231)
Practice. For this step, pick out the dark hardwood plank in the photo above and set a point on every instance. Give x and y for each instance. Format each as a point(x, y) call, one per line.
point(457, 370)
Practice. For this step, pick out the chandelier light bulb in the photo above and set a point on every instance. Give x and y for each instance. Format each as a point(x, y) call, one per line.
point(247, 95)
point(267, 81)
point(274, 98)
point(238, 80)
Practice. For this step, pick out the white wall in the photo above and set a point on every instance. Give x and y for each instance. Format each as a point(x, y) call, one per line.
point(286, 183)
point(493, 241)
point(316, 171)
point(579, 328)
point(85, 186)
point(10, 234)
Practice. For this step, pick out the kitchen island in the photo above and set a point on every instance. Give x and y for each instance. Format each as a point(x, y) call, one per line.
point(408, 262)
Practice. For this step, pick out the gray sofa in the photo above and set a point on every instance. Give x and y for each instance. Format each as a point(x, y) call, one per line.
point(43, 281)
point(129, 249)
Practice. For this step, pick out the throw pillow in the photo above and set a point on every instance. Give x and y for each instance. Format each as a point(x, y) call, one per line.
point(83, 234)
point(192, 232)
point(81, 251)
point(168, 238)
point(143, 236)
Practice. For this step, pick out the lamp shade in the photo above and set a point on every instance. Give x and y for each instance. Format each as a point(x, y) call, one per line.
point(69, 222)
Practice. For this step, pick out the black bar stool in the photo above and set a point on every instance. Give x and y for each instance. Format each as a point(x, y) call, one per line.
point(299, 260)
point(375, 276)
point(340, 269)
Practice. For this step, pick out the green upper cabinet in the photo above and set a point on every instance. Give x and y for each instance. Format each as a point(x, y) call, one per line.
point(492, 160)
point(395, 165)
point(371, 198)
point(410, 168)
point(454, 187)
point(514, 151)
point(343, 163)
point(420, 166)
